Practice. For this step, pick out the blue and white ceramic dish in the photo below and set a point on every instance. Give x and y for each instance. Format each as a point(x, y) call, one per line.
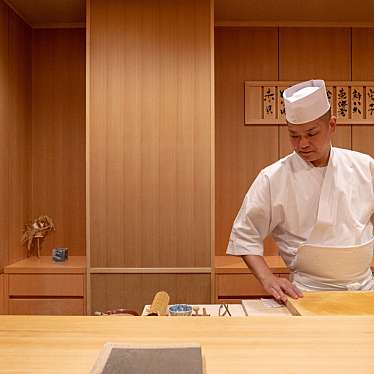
point(180, 310)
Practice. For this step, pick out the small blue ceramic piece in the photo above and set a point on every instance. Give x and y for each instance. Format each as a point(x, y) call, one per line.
point(59, 254)
point(180, 310)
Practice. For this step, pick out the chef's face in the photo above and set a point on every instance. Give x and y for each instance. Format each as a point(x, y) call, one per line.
point(312, 140)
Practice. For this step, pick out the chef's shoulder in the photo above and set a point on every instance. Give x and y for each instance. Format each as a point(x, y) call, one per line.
point(354, 158)
point(279, 168)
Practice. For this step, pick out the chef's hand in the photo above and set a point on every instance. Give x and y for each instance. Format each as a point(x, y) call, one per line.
point(280, 288)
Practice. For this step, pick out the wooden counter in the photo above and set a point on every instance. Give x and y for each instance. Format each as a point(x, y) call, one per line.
point(45, 264)
point(333, 303)
point(41, 344)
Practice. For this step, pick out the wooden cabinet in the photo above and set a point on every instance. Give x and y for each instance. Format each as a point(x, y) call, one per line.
point(2, 296)
point(234, 281)
point(37, 306)
point(41, 286)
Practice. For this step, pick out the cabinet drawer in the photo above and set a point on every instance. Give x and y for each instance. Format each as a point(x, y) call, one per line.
point(46, 285)
point(222, 300)
point(239, 285)
point(2, 295)
point(67, 307)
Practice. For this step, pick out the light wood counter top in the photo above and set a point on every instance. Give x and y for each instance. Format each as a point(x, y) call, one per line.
point(235, 264)
point(45, 264)
point(40, 344)
point(333, 303)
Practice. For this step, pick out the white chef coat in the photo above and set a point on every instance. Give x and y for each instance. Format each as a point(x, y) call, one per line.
point(299, 203)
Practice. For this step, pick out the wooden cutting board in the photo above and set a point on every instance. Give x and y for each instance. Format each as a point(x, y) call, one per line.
point(333, 303)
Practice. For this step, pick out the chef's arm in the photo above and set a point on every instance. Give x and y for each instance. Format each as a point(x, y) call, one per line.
point(279, 288)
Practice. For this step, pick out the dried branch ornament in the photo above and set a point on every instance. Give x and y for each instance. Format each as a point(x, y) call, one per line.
point(35, 232)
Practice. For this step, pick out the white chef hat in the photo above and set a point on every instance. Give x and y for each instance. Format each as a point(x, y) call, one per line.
point(306, 101)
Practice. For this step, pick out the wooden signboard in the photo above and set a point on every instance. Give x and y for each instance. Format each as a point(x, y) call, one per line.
point(352, 102)
point(333, 303)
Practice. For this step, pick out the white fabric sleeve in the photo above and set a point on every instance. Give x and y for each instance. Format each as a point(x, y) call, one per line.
point(252, 223)
point(372, 178)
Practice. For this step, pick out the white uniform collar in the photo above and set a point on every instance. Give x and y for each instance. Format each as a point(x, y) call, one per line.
point(308, 165)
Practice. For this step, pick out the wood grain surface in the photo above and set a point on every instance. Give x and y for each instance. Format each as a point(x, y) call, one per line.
point(19, 133)
point(58, 135)
point(333, 303)
point(150, 133)
point(240, 345)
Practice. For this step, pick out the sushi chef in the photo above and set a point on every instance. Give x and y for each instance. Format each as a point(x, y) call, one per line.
point(318, 195)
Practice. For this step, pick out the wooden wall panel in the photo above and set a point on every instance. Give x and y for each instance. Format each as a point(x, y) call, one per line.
point(362, 139)
point(343, 137)
point(4, 142)
point(314, 53)
point(58, 135)
point(285, 147)
point(362, 54)
point(19, 122)
point(362, 68)
point(150, 133)
point(133, 291)
point(241, 151)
